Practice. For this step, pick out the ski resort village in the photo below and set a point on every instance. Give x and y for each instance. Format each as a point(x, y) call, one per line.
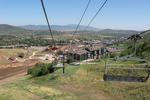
point(74, 50)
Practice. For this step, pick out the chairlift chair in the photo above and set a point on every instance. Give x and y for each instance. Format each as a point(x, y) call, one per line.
point(108, 77)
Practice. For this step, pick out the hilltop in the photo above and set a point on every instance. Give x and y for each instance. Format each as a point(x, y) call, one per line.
point(115, 31)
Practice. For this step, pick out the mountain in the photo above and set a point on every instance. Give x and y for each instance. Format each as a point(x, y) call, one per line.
point(42, 30)
point(118, 33)
point(12, 30)
point(111, 31)
point(70, 27)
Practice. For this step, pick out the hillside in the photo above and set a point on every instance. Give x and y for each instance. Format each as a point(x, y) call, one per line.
point(119, 33)
point(58, 27)
point(146, 35)
point(43, 29)
point(12, 30)
point(18, 31)
point(84, 82)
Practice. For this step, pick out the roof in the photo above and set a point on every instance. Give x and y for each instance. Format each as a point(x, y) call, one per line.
point(82, 49)
point(78, 51)
point(94, 47)
point(112, 49)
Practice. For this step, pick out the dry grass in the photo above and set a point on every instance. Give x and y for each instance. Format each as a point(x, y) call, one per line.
point(11, 52)
point(82, 82)
point(6, 53)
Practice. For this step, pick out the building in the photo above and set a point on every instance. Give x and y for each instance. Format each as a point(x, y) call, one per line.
point(83, 52)
point(95, 51)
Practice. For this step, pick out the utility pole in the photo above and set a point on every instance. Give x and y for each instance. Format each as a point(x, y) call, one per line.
point(63, 64)
point(148, 58)
point(105, 63)
point(135, 49)
point(106, 69)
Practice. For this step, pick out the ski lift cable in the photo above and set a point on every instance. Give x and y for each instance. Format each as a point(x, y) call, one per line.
point(144, 32)
point(146, 68)
point(87, 6)
point(49, 27)
point(140, 33)
point(90, 22)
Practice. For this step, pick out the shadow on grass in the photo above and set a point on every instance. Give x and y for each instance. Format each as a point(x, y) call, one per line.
point(125, 78)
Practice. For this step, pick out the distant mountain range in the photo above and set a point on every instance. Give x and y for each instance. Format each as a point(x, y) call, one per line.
point(42, 29)
point(70, 27)
point(120, 33)
point(12, 30)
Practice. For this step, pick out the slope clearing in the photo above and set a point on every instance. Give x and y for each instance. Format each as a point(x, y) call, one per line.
point(84, 82)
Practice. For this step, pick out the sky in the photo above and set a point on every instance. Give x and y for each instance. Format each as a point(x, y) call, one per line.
point(117, 14)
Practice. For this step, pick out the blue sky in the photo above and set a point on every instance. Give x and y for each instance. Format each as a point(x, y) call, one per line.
point(117, 14)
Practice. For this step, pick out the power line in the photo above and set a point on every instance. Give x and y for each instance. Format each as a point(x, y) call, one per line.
point(87, 6)
point(49, 27)
point(96, 13)
point(141, 33)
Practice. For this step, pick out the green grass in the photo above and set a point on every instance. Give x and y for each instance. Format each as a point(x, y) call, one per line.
point(110, 61)
point(84, 82)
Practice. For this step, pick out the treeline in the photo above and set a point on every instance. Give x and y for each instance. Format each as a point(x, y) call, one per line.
point(142, 48)
point(6, 40)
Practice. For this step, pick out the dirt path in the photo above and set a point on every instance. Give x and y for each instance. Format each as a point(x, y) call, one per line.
point(8, 72)
point(33, 54)
point(12, 73)
point(12, 78)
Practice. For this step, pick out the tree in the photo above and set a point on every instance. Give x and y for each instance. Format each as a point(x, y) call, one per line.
point(146, 47)
point(135, 38)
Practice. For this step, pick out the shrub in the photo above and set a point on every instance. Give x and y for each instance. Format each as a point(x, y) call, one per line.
point(40, 69)
point(113, 55)
point(21, 55)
